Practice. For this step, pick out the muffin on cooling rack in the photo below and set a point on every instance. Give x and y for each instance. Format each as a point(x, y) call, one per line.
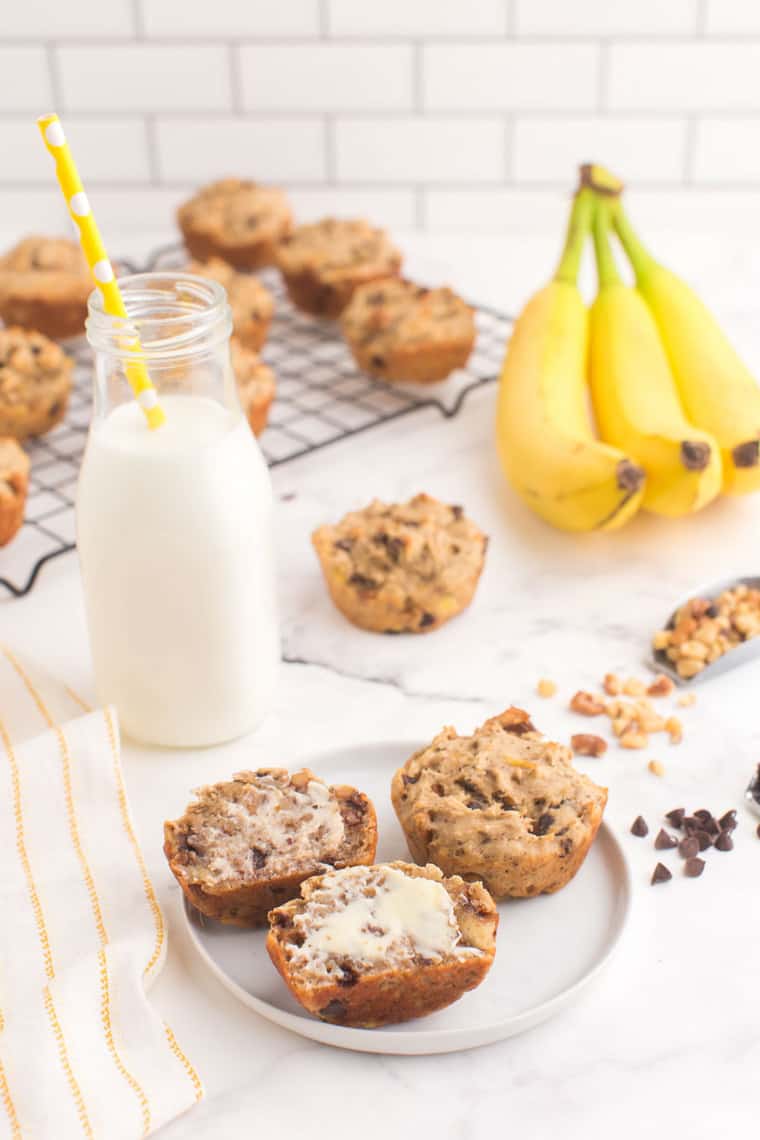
point(251, 303)
point(237, 220)
point(44, 285)
point(397, 330)
point(255, 383)
point(371, 946)
point(324, 262)
point(403, 567)
point(246, 844)
point(35, 383)
point(503, 805)
point(14, 483)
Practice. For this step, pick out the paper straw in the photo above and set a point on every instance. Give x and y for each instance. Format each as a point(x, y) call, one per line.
point(100, 266)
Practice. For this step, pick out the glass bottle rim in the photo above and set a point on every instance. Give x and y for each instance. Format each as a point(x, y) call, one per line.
point(171, 315)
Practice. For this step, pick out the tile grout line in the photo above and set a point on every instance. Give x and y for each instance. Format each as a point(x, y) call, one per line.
point(137, 20)
point(418, 64)
point(236, 78)
point(54, 75)
point(701, 29)
point(602, 82)
point(330, 150)
point(690, 151)
point(151, 141)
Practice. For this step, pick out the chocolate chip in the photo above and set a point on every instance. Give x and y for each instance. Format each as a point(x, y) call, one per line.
point(693, 868)
point(664, 841)
point(639, 827)
point(344, 544)
point(393, 545)
point(426, 620)
point(724, 842)
point(703, 814)
point(757, 831)
point(334, 1010)
point(728, 821)
point(704, 839)
point(676, 816)
point(377, 361)
point(363, 582)
point(410, 779)
point(661, 874)
point(348, 975)
point(258, 857)
point(691, 824)
point(457, 512)
point(376, 298)
point(543, 823)
point(688, 847)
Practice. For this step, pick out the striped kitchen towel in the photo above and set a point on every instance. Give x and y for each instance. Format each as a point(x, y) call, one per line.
point(82, 1052)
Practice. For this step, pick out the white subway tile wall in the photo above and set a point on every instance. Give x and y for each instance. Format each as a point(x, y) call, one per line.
point(449, 114)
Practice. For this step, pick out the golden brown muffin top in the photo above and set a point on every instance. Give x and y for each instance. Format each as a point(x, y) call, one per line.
point(337, 248)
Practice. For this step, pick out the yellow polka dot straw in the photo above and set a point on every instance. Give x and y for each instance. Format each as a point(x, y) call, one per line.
point(97, 258)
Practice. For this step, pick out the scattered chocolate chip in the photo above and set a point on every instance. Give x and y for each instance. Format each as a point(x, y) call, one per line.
point(704, 839)
point(664, 841)
point(728, 821)
point(693, 868)
point(676, 816)
point(690, 824)
point(724, 842)
point(754, 788)
point(639, 827)
point(661, 874)
point(688, 847)
point(703, 814)
point(543, 823)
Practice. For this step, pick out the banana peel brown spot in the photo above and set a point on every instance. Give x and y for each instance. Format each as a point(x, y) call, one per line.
point(600, 180)
point(695, 455)
point(746, 454)
point(629, 476)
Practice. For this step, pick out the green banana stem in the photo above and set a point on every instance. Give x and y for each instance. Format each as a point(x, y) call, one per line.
point(578, 230)
point(639, 257)
point(606, 266)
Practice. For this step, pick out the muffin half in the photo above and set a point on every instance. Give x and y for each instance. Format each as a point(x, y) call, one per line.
point(248, 843)
point(371, 946)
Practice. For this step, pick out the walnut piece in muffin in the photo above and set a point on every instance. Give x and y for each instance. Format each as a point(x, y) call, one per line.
point(401, 567)
point(44, 285)
point(14, 483)
point(324, 262)
point(35, 382)
point(255, 384)
point(503, 805)
point(400, 331)
point(251, 302)
point(236, 219)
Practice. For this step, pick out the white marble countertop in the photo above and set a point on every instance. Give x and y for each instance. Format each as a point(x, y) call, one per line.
point(669, 1036)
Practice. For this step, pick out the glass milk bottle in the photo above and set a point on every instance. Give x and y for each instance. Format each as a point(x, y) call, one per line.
point(174, 525)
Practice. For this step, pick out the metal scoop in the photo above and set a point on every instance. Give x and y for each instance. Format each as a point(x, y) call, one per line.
point(739, 655)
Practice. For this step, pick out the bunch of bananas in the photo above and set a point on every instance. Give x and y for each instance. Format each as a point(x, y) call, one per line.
point(677, 411)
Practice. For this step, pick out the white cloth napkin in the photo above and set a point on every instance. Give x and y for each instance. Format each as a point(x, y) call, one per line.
point(82, 1052)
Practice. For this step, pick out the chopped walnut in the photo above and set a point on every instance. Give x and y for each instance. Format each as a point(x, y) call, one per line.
point(662, 686)
point(633, 687)
point(546, 688)
point(674, 729)
point(632, 739)
point(585, 744)
point(612, 685)
point(704, 629)
point(587, 704)
point(687, 700)
point(656, 768)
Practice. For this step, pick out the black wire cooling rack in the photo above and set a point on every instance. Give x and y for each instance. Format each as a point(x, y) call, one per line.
point(322, 397)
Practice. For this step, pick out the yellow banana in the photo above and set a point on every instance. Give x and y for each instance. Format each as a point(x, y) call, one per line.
point(717, 390)
point(543, 429)
point(635, 397)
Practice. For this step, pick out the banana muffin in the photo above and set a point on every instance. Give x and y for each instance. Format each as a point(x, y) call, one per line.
point(44, 285)
point(248, 843)
point(251, 303)
point(504, 805)
point(324, 262)
point(237, 220)
point(14, 484)
point(35, 383)
point(255, 384)
point(372, 946)
point(401, 567)
point(400, 331)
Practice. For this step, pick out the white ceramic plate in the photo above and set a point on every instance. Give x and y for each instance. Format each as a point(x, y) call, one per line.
point(528, 982)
